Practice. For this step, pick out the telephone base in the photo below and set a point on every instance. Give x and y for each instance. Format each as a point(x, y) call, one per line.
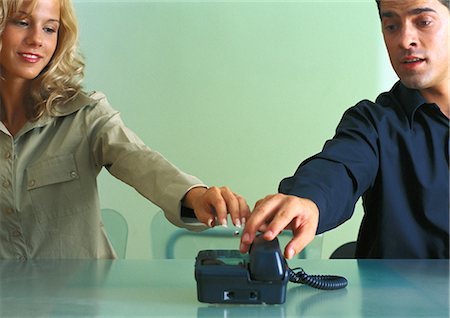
point(223, 277)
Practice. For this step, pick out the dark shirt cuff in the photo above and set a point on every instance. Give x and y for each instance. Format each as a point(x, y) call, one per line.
point(188, 213)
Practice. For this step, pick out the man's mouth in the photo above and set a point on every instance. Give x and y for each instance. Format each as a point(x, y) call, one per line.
point(410, 60)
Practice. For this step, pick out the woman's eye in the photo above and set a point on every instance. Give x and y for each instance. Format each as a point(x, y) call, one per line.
point(21, 23)
point(49, 30)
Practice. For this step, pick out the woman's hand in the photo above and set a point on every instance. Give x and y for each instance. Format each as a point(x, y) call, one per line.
point(212, 205)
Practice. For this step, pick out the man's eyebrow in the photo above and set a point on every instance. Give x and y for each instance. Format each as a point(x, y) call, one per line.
point(415, 11)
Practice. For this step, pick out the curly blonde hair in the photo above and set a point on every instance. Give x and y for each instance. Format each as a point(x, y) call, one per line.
point(60, 81)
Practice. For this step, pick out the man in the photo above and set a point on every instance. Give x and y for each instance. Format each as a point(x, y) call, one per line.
point(394, 153)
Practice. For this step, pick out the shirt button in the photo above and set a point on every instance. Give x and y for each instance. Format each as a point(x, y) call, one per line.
point(8, 155)
point(16, 233)
point(31, 183)
point(22, 258)
point(6, 184)
point(74, 174)
point(9, 211)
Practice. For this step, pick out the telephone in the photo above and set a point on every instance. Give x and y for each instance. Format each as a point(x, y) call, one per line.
point(261, 276)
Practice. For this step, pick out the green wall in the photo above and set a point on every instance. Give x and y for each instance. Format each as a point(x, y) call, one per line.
point(236, 93)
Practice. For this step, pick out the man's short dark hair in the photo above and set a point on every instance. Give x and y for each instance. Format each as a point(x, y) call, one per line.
point(444, 2)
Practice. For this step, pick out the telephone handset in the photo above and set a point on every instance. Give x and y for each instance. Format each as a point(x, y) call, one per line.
point(261, 276)
point(266, 263)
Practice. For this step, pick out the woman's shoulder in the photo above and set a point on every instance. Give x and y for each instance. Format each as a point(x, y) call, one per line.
point(86, 101)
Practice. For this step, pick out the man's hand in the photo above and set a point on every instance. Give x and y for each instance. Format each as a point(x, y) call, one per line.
point(212, 205)
point(277, 212)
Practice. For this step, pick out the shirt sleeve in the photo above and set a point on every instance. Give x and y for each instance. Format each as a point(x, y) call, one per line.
point(346, 167)
point(127, 158)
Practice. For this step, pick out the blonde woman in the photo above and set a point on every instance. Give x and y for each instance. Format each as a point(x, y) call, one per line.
point(55, 138)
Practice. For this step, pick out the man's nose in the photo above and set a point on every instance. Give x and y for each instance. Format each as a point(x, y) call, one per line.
point(408, 36)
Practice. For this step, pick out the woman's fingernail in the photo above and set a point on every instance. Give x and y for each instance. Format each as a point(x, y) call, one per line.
point(246, 238)
point(237, 223)
point(224, 223)
point(210, 221)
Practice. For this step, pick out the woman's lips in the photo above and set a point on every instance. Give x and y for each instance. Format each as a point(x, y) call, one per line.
point(30, 57)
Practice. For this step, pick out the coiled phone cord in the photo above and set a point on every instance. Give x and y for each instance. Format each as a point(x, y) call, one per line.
point(326, 282)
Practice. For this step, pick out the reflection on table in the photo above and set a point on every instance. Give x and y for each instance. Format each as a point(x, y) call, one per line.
point(167, 288)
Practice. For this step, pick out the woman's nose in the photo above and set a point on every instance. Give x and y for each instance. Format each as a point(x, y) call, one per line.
point(34, 37)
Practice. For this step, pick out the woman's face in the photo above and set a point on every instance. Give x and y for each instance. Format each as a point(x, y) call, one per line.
point(29, 40)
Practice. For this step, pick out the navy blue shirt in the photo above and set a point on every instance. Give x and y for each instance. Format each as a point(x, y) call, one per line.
point(395, 154)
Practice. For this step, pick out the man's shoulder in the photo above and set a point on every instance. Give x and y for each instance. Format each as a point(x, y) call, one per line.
point(402, 99)
point(392, 101)
point(383, 105)
point(384, 110)
point(391, 97)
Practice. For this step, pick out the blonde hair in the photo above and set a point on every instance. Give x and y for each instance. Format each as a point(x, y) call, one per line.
point(60, 81)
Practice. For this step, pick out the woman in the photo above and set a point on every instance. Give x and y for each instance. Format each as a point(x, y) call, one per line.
point(55, 138)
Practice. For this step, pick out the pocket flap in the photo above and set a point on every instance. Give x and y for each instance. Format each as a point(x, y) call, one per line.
point(53, 170)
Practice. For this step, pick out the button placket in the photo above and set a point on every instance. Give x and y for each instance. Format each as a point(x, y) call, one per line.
point(11, 223)
point(6, 182)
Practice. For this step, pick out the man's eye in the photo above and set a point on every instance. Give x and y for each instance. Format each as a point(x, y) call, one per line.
point(425, 23)
point(390, 27)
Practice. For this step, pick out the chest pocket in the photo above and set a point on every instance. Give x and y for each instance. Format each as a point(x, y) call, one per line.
point(54, 187)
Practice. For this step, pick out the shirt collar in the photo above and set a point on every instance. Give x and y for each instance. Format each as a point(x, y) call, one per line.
point(77, 102)
point(74, 104)
point(410, 99)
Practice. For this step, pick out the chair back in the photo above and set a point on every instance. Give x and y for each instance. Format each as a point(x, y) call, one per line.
point(170, 242)
point(345, 251)
point(117, 230)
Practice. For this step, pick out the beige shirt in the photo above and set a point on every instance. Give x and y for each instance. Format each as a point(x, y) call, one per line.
point(49, 204)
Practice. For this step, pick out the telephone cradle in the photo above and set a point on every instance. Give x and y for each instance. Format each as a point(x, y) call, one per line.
point(261, 276)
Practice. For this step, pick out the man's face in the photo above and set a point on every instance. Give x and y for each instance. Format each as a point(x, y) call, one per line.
point(416, 34)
